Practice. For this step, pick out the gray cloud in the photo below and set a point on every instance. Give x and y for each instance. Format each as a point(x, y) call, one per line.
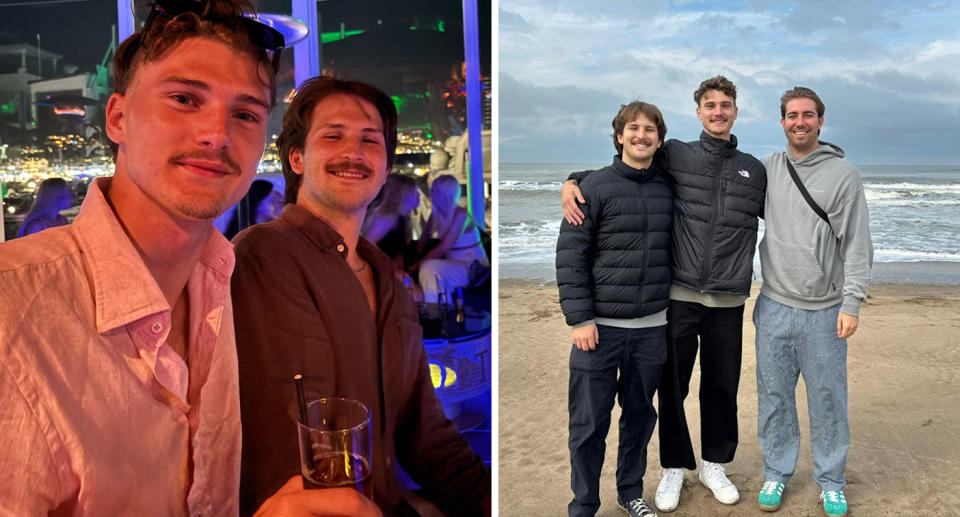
point(513, 21)
point(886, 71)
point(555, 124)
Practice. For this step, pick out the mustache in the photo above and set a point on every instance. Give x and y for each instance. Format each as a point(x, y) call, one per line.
point(344, 165)
point(222, 157)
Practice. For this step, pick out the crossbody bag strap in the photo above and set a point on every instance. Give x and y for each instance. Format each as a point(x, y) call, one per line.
point(806, 195)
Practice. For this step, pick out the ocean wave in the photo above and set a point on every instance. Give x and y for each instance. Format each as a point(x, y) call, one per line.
point(877, 195)
point(902, 255)
point(541, 255)
point(900, 194)
point(553, 186)
point(528, 234)
point(920, 188)
point(915, 201)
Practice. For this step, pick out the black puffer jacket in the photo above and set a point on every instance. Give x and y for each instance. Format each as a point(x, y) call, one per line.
point(719, 195)
point(617, 263)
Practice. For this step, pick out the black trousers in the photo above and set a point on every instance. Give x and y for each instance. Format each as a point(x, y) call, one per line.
point(718, 332)
point(638, 355)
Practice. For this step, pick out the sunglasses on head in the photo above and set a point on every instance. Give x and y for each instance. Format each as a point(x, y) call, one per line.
point(261, 35)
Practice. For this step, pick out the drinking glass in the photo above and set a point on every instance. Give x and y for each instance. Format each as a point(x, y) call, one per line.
point(335, 446)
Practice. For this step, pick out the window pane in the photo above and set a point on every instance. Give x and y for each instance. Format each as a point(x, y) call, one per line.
point(54, 80)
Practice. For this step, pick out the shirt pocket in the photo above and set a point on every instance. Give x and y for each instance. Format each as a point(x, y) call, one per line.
point(792, 268)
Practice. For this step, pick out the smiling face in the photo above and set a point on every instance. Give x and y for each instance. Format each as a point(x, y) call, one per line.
point(191, 128)
point(717, 112)
point(344, 159)
point(801, 124)
point(640, 140)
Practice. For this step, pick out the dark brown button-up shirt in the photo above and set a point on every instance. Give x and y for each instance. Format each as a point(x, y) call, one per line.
point(299, 308)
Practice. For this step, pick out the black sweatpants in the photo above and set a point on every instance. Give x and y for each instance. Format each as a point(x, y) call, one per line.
point(718, 333)
point(638, 355)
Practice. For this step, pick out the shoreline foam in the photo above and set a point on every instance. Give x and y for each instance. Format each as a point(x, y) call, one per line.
point(929, 272)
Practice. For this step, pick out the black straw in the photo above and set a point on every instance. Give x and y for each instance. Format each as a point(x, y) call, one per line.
point(301, 401)
point(302, 418)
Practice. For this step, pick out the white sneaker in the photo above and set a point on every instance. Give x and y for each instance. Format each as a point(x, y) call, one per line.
point(713, 477)
point(668, 493)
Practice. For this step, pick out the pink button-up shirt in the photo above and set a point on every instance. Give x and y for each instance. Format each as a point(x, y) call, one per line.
point(98, 414)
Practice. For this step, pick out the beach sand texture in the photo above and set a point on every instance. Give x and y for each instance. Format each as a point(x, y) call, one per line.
point(904, 396)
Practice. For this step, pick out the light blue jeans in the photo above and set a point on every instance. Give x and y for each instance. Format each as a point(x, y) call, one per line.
point(791, 342)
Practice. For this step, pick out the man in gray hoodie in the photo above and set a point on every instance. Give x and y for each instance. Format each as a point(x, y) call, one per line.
point(815, 272)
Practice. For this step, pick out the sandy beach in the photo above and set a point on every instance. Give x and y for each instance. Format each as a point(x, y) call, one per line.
point(903, 398)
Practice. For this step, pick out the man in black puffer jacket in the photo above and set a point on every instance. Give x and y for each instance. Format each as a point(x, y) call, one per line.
point(613, 272)
point(719, 196)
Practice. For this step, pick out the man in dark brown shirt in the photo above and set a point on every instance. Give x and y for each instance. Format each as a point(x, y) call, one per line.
point(312, 297)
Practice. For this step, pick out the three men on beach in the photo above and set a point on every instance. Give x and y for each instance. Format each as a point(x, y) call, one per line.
point(816, 265)
point(119, 386)
point(618, 311)
point(313, 297)
point(719, 196)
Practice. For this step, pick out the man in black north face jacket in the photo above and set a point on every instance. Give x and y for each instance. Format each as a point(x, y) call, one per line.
point(719, 194)
point(613, 273)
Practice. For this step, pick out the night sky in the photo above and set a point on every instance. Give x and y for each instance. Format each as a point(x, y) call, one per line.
point(79, 30)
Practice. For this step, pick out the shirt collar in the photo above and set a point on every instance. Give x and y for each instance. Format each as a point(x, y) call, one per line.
point(316, 230)
point(631, 173)
point(716, 145)
point(326, 238)
point(124, 290)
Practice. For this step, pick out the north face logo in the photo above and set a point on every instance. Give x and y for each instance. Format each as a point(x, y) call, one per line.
point(745, 174)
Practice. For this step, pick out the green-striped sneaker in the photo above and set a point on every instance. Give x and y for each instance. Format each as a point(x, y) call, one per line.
point(770, 496)
point(834, 504)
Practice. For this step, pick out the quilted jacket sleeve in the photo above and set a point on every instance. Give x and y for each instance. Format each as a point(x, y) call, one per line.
point(575, 253)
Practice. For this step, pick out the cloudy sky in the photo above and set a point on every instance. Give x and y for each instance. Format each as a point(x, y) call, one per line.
point(888, 72)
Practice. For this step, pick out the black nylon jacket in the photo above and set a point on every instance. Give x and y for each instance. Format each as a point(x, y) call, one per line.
point(719, 196)
point(617, 263)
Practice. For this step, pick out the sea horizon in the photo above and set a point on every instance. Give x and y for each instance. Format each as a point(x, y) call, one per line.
point(913, 220)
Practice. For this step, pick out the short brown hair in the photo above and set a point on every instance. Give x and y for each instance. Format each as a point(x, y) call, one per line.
point(296, 122)
point(719, 83)
point(800, 92)
point(630, 112)
point(220, 20)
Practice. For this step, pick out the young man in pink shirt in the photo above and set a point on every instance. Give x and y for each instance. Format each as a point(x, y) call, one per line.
point(118, 384)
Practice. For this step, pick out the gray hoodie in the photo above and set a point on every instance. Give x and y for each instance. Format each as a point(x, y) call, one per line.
point(805, 262)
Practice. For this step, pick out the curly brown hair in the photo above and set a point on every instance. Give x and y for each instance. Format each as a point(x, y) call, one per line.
point(719, 83)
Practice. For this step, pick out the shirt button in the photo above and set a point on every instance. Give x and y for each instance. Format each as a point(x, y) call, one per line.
point(340, 248)
point(157, 328)
point(388, 462)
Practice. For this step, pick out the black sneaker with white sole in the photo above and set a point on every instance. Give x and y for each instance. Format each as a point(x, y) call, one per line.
point(637, 508)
